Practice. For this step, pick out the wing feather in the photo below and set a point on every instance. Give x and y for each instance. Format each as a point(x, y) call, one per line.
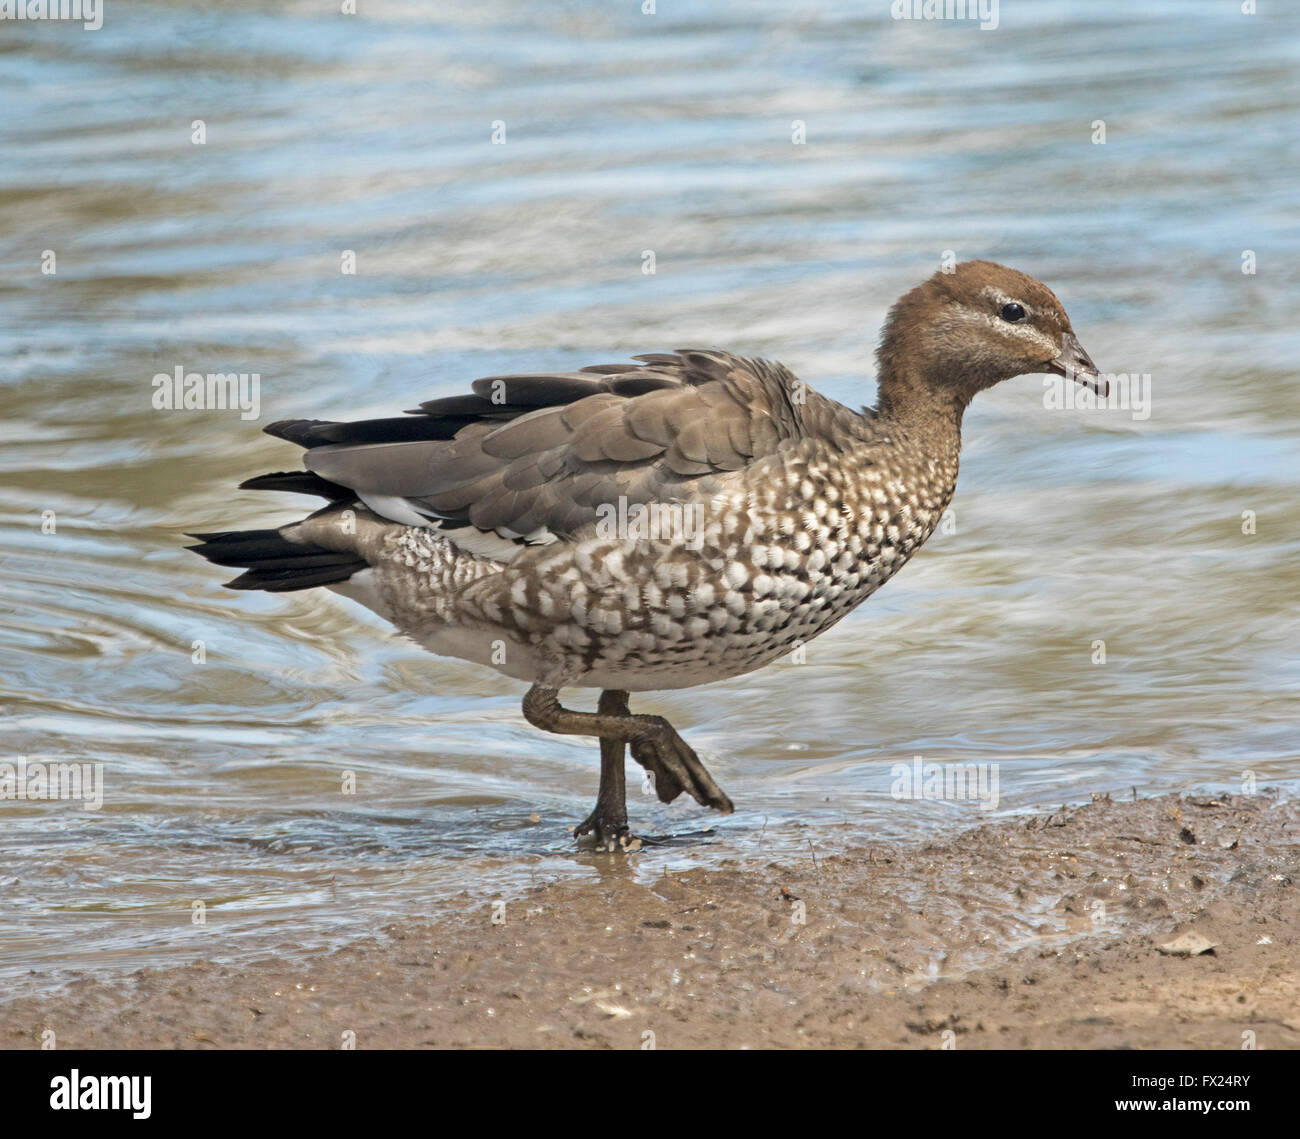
point(539, 454)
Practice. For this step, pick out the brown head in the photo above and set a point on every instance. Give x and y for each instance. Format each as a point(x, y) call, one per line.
point(964, 331)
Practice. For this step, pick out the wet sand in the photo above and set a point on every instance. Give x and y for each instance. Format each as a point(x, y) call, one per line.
point(1039, 932)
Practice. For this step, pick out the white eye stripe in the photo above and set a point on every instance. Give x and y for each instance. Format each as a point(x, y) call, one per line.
point(999, 298)
point(1021, 328)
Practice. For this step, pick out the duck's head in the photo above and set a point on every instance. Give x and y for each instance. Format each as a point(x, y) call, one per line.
point(968, 329)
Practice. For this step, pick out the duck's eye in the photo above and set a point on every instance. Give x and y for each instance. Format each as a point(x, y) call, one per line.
point(1012, 312)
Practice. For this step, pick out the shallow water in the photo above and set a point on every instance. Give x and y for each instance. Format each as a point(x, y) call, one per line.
point(624, 133)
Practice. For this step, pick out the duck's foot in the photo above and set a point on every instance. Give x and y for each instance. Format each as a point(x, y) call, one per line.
point(610, 834)
point(677, 768)
point(656, 746)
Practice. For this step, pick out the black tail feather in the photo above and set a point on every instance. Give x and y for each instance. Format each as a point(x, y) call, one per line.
point(321, 433)
point(275, 563)
point(295, 430)
point(286, 581)
point(300, 482)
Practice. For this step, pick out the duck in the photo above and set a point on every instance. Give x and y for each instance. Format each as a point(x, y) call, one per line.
point(686, 518)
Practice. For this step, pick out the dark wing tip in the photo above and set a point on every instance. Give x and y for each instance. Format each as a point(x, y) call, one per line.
point(295, 430)
point(299, 482)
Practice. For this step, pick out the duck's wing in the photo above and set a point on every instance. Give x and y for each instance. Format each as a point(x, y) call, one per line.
point(532, 458)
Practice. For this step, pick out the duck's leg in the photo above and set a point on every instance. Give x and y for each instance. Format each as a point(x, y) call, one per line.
point(607, 824)
point(655, 745)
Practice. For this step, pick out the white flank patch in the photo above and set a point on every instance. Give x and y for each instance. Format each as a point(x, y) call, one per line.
point(484, 543)
point(490, 544)
point(395, 509)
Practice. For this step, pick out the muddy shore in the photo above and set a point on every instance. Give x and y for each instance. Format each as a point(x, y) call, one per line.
point(1038, 932)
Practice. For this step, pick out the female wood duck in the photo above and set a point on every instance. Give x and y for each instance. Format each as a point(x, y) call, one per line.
point(631, 527)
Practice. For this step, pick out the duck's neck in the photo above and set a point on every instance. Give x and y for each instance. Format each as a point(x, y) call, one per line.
point(913, 404)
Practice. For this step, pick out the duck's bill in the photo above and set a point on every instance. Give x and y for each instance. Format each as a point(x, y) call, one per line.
point(1075, 364)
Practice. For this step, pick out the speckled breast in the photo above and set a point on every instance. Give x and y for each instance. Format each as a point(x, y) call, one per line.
point(735, 580)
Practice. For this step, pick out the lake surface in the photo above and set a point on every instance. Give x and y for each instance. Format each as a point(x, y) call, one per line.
point(225, 723)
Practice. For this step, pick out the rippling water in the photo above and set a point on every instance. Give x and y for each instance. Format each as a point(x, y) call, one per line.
point(623, 133)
